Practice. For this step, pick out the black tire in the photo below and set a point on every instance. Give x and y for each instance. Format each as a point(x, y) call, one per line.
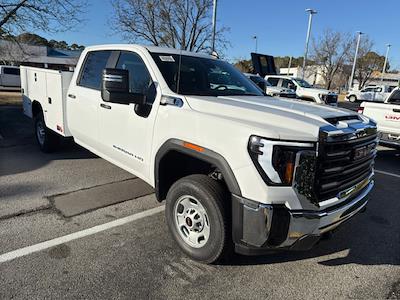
point(213, 196)
point(47, 140)
point(353, 98)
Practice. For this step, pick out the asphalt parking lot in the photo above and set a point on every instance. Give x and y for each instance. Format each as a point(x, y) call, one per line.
point(68, 230)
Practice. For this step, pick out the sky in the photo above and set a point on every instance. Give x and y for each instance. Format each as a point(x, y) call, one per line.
point(280, 26)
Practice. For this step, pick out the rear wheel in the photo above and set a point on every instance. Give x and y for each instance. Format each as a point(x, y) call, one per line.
point(47, 139)
point(353, 98)
point(198, 218)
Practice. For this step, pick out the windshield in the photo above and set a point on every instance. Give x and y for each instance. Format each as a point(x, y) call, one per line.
point(203, 76)
point(303, 83)
point(258, 79)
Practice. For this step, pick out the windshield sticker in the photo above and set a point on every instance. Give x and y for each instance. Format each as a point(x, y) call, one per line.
point(167, 58)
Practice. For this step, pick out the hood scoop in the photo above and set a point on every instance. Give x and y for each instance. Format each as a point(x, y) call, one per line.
point(336, 120)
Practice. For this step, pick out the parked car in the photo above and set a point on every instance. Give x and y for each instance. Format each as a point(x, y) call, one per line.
point(10, 77)
point(270, 90)
point(374, 93)
point(237, 169)
point(387, 116)
point(304, 90)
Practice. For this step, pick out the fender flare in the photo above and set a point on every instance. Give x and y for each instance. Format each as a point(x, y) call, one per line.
point(206, 155)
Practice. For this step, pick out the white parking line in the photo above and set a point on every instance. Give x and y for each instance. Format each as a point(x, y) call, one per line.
point(387, 173)
point(77, 235)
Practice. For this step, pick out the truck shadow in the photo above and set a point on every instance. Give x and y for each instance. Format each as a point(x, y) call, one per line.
point(18, 149)
point(15, 160)
point(370, 238)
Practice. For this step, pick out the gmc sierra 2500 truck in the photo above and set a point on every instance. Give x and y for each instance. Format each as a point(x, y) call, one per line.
point(238, 170)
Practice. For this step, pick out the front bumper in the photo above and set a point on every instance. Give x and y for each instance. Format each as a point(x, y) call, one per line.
point(258, 228)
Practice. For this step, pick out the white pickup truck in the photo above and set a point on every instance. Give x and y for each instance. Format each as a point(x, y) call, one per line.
point(387, 115)
point(238, 170)
point(304, 90)
point(374, 93)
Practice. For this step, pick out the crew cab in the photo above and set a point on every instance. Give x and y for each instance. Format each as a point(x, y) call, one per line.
point(9, 77)
point(268, 89)
point(238, 170)
point(374, 93)
point(387, 116)
point(304, 90)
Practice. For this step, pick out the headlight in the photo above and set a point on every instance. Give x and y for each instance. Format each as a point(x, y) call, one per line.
point(275, 160)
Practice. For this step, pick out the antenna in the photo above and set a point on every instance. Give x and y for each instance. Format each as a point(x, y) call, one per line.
point(179, 71)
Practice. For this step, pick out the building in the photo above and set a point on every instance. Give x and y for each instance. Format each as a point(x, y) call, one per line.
point(312, 75)
point(12, 53)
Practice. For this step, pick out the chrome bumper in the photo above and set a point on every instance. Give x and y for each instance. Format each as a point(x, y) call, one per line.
point(267, 227)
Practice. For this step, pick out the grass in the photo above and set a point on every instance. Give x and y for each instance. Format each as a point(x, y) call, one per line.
point(10, 98)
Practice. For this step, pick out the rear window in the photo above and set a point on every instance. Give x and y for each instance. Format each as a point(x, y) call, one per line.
point(395, 98)
point(92, 70)
point(11, 71)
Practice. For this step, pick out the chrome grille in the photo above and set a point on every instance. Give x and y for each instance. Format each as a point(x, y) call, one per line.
point(344, 163)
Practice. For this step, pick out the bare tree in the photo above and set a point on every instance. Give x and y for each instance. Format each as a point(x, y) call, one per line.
point(331, 51)
point(183, 24)
point(46, 15)
point(368, 61)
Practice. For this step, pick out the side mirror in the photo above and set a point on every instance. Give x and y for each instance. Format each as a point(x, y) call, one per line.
point(115, 88)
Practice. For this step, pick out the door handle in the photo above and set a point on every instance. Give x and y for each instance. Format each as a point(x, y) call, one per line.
point(71, 96)
point(396, 110)
point(105, 106)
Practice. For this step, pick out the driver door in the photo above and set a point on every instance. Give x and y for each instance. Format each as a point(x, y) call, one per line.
point(126, 129)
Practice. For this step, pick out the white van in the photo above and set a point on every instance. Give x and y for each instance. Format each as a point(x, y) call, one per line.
point(10, 77)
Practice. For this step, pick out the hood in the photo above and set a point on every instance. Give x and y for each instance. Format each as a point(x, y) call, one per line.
point(319, 91)
point(284, 119)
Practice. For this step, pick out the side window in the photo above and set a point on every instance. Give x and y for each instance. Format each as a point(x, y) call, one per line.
point(139, 76)
point(92, 70)
point(286, 83)
point(11, 71)
point(273, 81)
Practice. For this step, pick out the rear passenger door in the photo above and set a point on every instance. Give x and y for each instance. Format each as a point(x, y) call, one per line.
point(84, 98)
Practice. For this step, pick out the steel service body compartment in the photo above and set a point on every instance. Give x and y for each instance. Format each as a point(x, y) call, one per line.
point(49, 89)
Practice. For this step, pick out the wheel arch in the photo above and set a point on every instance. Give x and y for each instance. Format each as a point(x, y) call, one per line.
point(36, 108)
point(166, 172)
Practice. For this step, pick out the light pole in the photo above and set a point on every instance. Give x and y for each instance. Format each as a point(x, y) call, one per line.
point(386, 58)
point(355, 60)
point(289, 66)
point(214, 24)
point(311, 13)
point(255, 38)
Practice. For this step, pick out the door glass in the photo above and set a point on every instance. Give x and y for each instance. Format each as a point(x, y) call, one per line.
point(286, 83)
point(92, 71)
point(139, 76)
point(273, 81)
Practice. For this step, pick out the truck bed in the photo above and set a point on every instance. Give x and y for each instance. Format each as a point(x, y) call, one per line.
point(49, 88)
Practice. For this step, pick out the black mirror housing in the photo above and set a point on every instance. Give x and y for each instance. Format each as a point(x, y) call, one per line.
point(115, 88)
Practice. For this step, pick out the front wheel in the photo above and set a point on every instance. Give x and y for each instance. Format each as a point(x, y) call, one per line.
point(47, 139)
point(352, 98)
point(197, 214)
